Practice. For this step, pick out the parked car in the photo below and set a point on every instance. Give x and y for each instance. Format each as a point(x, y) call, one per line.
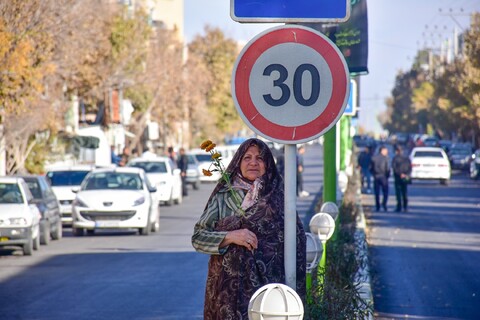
point(430, 141)
point(204, 160)
point(193, 172)
point(460, 157)
point(430, 163)
point(445, 145)
point(19, 216)
point(63, 180)
point(161, 174)
point(47, 203)
point(475, 165)
point(115, 198)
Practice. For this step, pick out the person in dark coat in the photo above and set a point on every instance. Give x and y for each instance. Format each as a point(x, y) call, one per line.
point(402, 168)
point(242, 229)
point(182, 164)
point(380, 170)
point(364, 162)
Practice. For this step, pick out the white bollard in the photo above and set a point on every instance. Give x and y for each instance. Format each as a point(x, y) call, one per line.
point(275, 301)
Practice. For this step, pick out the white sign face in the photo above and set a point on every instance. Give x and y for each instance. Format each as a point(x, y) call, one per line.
point(290, 84)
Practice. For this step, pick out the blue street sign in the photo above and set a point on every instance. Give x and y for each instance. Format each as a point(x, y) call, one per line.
point(286, 11)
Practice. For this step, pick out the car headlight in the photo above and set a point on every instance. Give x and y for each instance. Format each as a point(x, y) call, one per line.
point(79, 203)
point(139, 201)
point(18, 221)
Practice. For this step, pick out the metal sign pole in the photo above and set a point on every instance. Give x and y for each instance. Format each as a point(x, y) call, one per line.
point(291, 216)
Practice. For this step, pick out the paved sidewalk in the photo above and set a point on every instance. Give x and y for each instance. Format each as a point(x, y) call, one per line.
point(312, 183)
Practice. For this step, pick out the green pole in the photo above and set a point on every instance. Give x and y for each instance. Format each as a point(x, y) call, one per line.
point(323, 260)
point(329, 166)
point(344, 141)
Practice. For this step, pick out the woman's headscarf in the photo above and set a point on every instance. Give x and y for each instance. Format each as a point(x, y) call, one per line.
point(271, 180)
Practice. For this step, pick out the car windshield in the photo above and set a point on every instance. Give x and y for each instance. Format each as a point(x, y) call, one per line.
point(464, 152)
point(10, 193)
point(34, 187)
point(150, 166)
point(113, 180)
point(191, 160)
point(429, 154)
point(204, 157)
point(66, 178)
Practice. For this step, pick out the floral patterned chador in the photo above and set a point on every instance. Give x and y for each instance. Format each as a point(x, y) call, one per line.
point(234, 272)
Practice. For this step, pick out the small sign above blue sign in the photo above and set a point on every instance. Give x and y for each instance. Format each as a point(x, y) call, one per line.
point(286, 11)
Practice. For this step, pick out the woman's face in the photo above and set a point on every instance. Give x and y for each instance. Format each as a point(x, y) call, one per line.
point(252, 165)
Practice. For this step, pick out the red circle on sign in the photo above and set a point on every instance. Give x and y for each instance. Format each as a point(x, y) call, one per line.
point(340, 81)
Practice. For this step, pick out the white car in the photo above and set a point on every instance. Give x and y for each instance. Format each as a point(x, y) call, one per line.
point(205, 160)
point(116, 198)
point(19, 216)
point(430, 163)
point(161, 174)
point(63, 180)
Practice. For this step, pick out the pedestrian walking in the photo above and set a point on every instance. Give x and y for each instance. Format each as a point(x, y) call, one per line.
point(364, 161)
point(171, 155)
point(125, 157)
point(380, 170)
point(115, 159)
point(300, 169)
point(402, 168)
point(242, 229)
point(182, 164)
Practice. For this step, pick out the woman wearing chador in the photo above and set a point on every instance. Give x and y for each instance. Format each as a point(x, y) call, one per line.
point(244, 234)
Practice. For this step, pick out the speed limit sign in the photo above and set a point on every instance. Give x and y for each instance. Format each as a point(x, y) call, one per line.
point(290, 84)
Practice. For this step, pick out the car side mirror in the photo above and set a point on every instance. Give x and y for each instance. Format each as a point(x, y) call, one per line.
point(152, 189)
point(176, 171)
point(75, 189)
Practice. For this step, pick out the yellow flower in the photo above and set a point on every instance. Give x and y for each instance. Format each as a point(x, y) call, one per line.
point(207, 173)
point(205, 144)
point(210, 147)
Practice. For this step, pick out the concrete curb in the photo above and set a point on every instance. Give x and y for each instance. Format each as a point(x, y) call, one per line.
point(362, 278)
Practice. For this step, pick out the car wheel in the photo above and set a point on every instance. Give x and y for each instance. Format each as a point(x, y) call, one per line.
point(28, 247)
point(169, 202)
point(45, 233)
point(58, 233)
point(444, 182)
point(90, 232)
point(196, 185)
point(145, 231)
point(36, 242)
point(156, 224)
point(77, 232)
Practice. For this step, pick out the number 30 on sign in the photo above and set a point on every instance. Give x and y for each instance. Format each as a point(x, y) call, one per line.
point(290, 84)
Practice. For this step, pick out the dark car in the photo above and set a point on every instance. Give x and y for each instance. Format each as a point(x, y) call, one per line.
point(47, 203)
point(460, 157)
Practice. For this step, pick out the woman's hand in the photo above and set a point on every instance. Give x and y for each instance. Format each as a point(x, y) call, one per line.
point(241, 237)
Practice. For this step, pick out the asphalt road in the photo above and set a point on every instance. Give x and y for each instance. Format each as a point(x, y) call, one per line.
point(111, 275)
point(122, 275)
point(425, 263)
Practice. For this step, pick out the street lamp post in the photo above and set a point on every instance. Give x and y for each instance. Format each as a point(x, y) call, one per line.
point(323, 226)
point(275, 301)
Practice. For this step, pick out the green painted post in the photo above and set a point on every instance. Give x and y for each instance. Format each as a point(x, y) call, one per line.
point(344, 141)
point(329, 166)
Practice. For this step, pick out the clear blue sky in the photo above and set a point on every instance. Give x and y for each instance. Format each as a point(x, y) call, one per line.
point(397, 30)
